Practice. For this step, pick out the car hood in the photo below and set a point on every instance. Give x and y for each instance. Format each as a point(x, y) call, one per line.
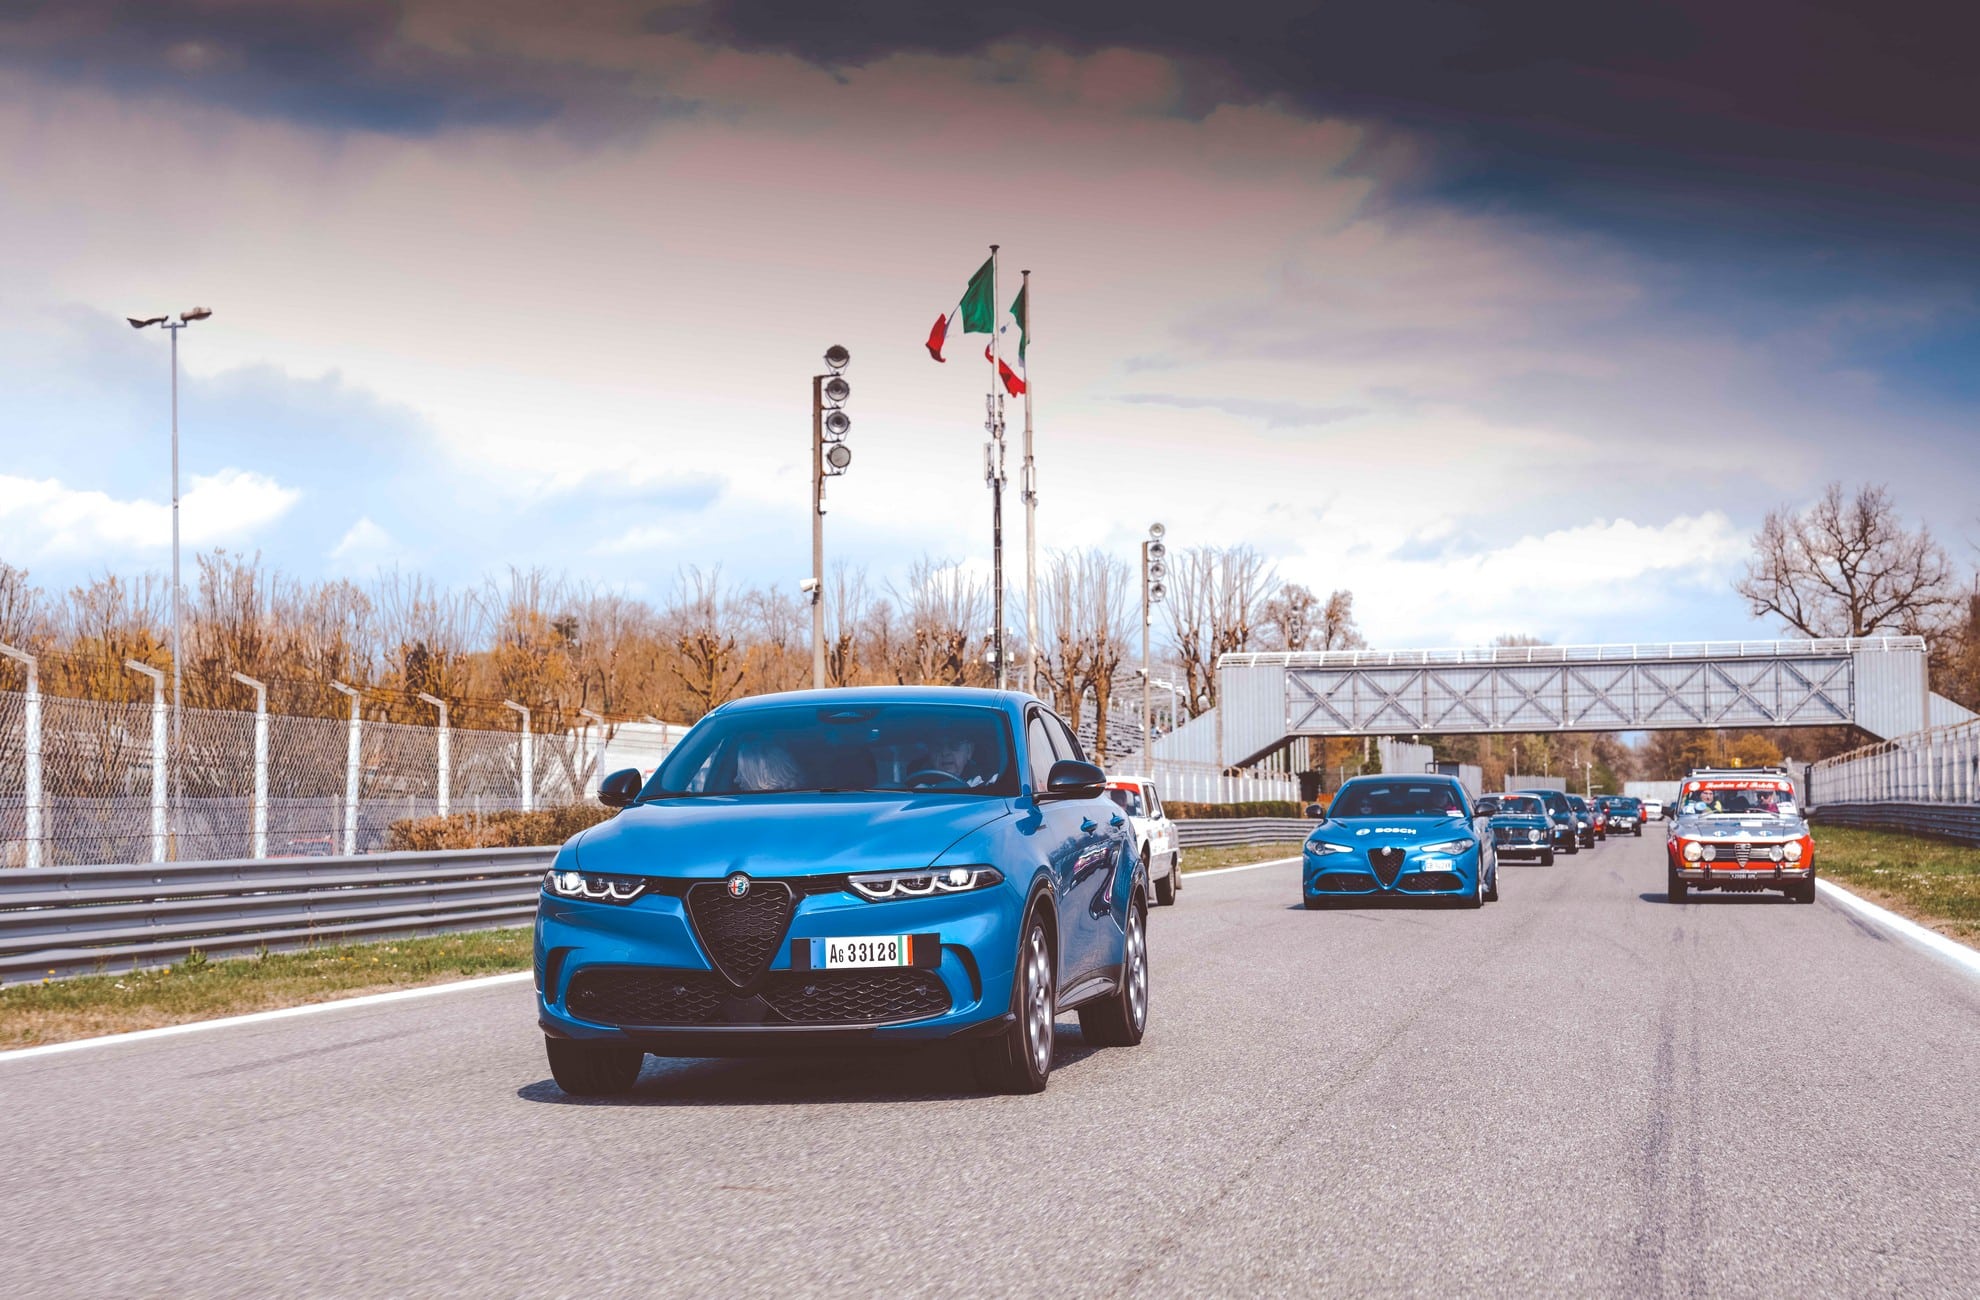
point(1380, 832)
point(710, 836)
point(1519, 819)
point(1737, 825)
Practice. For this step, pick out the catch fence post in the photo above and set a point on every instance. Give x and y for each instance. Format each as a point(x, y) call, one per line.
point(157, 676)
point(30, 754)
point(352, 767)
point(528, 759)
point(259, 841)
point(441, 778)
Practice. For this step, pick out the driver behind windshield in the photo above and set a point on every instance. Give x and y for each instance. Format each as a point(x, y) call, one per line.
point(953, 754)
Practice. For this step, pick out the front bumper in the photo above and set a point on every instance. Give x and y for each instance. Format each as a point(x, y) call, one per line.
point(642, 975)
point(1734, 874)
point(1349, 875)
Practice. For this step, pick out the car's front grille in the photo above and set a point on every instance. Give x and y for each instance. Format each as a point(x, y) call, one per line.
point(1432, 880)
point(741, 935)
point(857, 997)
point(1388, 865)
point(644, 996)
point(1342, 882)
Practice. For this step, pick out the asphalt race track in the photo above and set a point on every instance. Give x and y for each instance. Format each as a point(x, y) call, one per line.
point(1579, 1090)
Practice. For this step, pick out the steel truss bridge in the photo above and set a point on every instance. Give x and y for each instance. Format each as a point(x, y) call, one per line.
point(1878, 684)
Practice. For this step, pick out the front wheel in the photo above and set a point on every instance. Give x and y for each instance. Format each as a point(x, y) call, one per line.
point(1121, 1019)
point(1492, 885)
point(593, 1069)
point(1802, 891)
point(1165, 888)
point(1019, 1060)
point(1547, 858)
point(1676, 887)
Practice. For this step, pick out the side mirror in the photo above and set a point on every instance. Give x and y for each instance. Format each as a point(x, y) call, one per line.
point(1072, 779)
point(621, 788)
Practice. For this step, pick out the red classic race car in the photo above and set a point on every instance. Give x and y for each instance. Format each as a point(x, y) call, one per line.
point(1740, 829)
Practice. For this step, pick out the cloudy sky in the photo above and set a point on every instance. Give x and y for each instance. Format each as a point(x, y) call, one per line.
point(1512, 320)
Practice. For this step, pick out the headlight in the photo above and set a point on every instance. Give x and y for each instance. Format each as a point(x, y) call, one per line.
point(1449, 846)
point(1777, 853)
point(1533, 837)
point(1711, 854)
point(593, 887)
point(1692, 852)
point(880, 886)
point(1322, 848)
point(1794, 851)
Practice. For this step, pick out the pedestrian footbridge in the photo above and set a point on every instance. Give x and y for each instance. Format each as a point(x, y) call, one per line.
point(1878, 684)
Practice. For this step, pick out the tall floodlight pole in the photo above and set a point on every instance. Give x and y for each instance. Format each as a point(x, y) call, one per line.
point(1028, 487)
point(173, 327)
point(993, 474)
point(829, 458)
point(1153, 569)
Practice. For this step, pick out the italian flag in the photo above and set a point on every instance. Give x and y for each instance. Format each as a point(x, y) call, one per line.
point(973, 315)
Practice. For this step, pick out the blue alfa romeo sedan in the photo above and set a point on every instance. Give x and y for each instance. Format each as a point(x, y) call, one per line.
point(1399, 837)
point(831, 870)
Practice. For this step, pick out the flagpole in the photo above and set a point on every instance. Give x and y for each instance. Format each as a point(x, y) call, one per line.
point(993, 470)
point(1029, 484)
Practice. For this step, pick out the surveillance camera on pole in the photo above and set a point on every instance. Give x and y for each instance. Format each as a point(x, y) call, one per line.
point(830, 457)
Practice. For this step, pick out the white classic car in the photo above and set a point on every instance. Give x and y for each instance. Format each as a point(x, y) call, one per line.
point(1155, 834)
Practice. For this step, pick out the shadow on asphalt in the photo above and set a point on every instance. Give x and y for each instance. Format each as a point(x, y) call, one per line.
point(939, 1073)
point(1737, 898)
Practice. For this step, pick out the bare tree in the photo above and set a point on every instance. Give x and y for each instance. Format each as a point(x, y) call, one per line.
point(848, 605)
point(1847, 566)
point(702, 628)
point(1216, 603)
point(946, 613)
point(21, 618)
point(1063, 647)
point(1104, 618)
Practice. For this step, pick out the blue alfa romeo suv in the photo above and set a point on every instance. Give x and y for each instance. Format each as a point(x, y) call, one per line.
point(831, 870)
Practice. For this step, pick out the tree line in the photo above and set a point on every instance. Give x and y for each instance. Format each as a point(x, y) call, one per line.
point(560, 646)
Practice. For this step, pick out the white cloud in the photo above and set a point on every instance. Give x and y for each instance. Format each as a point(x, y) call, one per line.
point(364, 543)
point(51, 518)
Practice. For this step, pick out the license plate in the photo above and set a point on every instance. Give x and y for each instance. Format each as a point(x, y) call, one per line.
point(862, 952)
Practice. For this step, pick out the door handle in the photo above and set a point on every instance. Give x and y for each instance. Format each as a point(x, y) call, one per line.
point(1087, 823)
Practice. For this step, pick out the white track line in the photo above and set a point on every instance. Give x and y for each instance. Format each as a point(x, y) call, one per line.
point(1225, 871)
point(1967, 959)
point(283, 1013)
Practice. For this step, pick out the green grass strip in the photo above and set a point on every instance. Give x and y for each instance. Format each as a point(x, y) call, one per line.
point(1934, 882)
point(196, 989)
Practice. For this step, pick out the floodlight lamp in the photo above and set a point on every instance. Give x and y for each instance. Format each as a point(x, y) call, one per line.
point(837, 423)
point(837, 389)
point(839, 455)
point(1157, 550)
point(1157, 571)
point(837, 358)
point(1155, 593)
point(1156, 531)
point(197, 313)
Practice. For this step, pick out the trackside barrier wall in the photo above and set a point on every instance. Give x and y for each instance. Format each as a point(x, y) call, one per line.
point(66, 921)
point(1942, 820)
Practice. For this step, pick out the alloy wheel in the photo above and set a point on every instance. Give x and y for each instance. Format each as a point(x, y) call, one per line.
point(1137, 969)
point(1038, 1009)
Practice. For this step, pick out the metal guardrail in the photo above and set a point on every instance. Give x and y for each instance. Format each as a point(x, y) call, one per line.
point(58, 922)
point(1947, 821)
point(1223, 832)
point(76, 920)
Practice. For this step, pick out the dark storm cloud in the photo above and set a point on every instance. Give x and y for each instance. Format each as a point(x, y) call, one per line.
point(331, 63)
point(1844, 112)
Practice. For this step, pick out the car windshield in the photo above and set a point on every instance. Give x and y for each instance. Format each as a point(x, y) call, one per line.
point(930, 748)
point(1521, 805)
point(1739, 801)
point(1397, 799)
point(1128, 801)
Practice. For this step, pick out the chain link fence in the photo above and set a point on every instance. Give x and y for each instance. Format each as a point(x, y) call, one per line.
point(88, 781)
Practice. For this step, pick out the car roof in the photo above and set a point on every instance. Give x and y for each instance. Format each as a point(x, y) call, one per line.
point(852, 696)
